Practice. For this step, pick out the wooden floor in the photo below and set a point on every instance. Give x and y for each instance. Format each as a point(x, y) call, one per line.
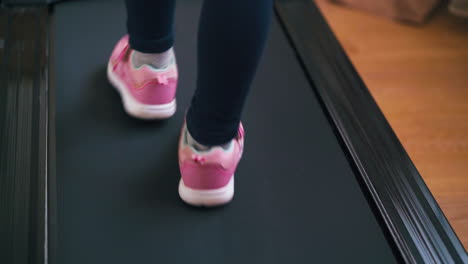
point(419, 77)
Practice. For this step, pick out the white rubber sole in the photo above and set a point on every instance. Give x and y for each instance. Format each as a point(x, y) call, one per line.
point(208, 198)
point(137, 109)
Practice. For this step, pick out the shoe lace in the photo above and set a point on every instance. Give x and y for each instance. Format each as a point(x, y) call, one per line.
point(241, 131)
point(121, 55)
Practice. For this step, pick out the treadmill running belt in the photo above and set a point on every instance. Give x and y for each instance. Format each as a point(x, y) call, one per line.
point(297, 199)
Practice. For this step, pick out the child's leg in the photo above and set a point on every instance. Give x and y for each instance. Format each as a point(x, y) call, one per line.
point(151, 31)
point(231, 40)
point(142, 66)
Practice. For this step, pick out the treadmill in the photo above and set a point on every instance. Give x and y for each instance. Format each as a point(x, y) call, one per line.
point(323, 178)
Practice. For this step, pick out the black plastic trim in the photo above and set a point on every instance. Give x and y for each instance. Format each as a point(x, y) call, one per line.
point(28, 2)
point(23, 130)
point(51, 161)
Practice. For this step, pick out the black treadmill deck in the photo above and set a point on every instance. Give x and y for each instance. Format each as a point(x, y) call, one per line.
point(297, 199)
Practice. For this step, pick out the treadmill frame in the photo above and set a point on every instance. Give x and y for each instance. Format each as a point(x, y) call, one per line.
point(394, 187)
point(410, 212)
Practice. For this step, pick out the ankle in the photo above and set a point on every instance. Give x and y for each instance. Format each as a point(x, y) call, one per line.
point(157, 60)
point(201, 147)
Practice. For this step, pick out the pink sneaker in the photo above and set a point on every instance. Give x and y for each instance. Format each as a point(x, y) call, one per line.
point(146, 92)
point(208, 176)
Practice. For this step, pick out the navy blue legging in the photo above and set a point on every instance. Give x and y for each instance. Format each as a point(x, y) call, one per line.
point(231, 39)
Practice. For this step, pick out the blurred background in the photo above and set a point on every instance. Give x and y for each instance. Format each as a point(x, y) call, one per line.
point(413, 57)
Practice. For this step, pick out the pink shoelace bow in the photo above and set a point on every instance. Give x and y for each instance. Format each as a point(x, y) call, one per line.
point(201, 160)
point(198, 159)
